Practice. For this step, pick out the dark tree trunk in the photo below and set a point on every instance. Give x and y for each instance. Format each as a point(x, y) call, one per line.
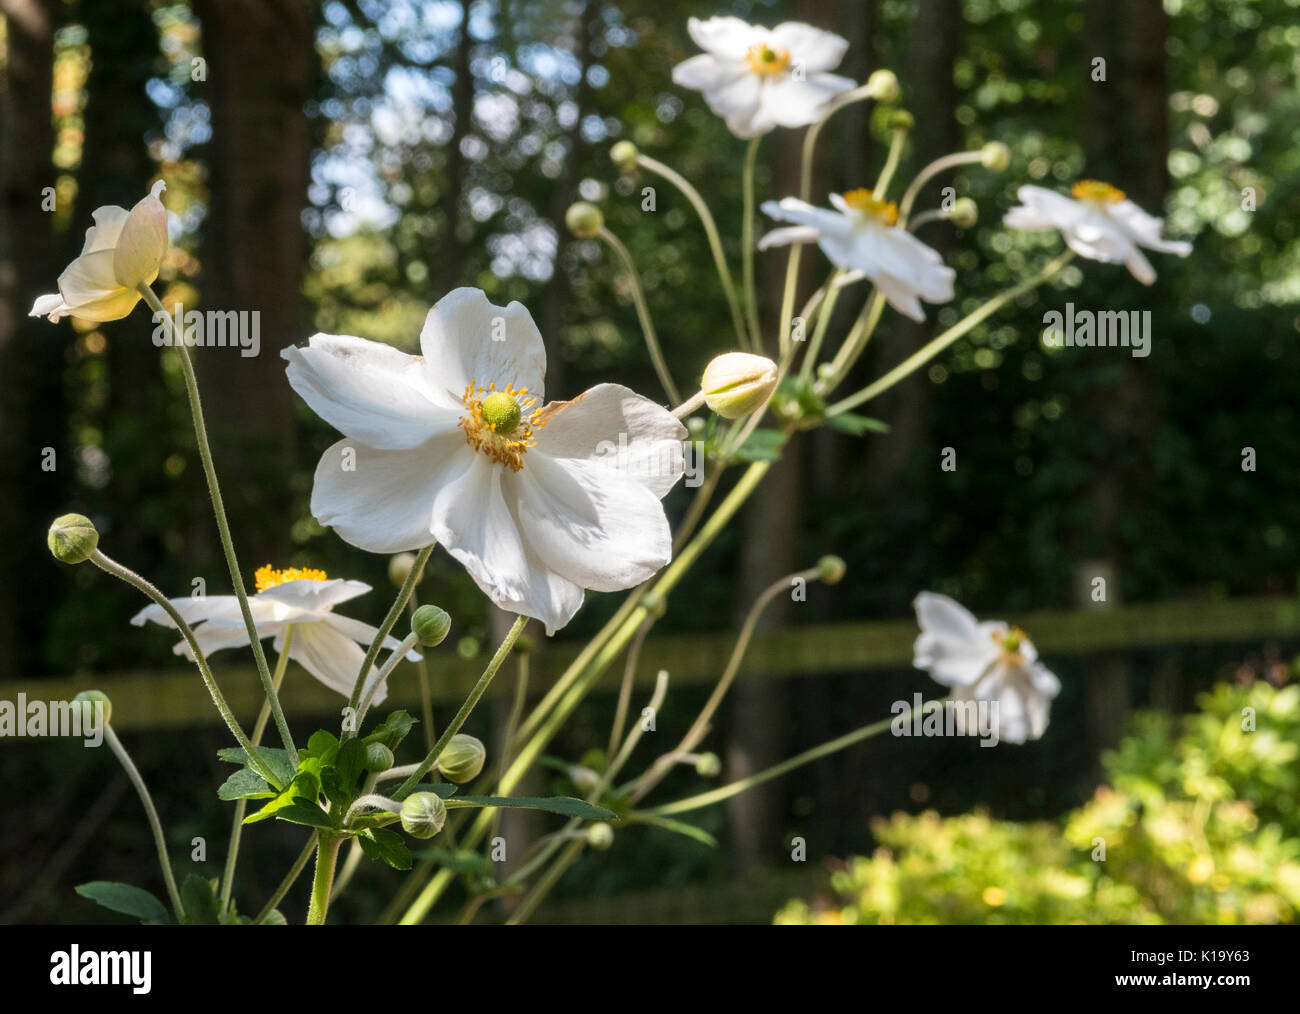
point(452, 246)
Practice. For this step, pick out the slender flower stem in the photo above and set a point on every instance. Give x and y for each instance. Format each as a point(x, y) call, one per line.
point(390, 664)
point(928, 173)
point(426, 686)
point(327, 853)
point(937, 345)
point(155, 825)
point(855, 341)
point(474, 695)
point(643, 315)
point(403, 596)
point(295, 870)
point(219, 509)
point(241, 805)
point(710, 230)
point(926, 217)
point(135, 580)
point(625, 689)
point(689, 405)
point(543, 887)
point(891, 164)
point(825, 308)
point(747, 246)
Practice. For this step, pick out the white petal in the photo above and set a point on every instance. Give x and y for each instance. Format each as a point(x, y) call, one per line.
point(809, 47)
point(192, 608)
point(951, 645)
point(52, 306)
point(738, 104)
point(791, 209)
point(707, 72)
point(142, 243)
point(726, 37)
point(312, 595)
point(385, 504)
point(793, 103)
point(618, 429)
point(364, 633)
point(1139, 267)
point(598, 529)
point(788, 235)
point(372, 392)
point(90, 289)
point(109, 220)
point(467, 340)
point(332, 658)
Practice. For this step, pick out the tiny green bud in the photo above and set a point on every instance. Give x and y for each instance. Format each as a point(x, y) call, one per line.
point(583, 777)
point(584, 220)
point(399, 568)
point(901, 119)
point(430, 625)
point(830, 570)
point(995, 155)
point(423, 814)
point(883, 85)
point(88, 699)
point(378, 757)
point(696, 426)
point(72, 538)
point(707, 765)
point(600, 836)
point(462, 759)
point(623, 155)
point(965, 213)
point(738, 383)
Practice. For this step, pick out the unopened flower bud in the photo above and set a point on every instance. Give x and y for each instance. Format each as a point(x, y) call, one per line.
point(738, 383)
point(399, 568)
point(88, 699)
point(623, 155)
point(423, 814)
point(600, 836)
point(584, 220)
point(995, 155)
point(654, 604)
point(430, 625)
point(883, 85)
point(583, 777)
point(142, 243)
point(830, 570)
point(901, 119)
point(965, 213)
point(72, 538)
point(378, 757)
point(707, 765)
point(462, 759)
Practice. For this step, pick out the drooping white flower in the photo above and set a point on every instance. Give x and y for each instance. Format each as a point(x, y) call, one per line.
point(985, 662)
point(324, 643)
point(1099, 222)
point(860, 235)
point(757, 79)
point(122, 249)
point(538, 504)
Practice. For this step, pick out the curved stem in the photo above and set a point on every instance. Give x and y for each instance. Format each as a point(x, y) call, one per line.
point(295, 870)
point(219, 509)
point(891, 164)
point(928, 173)
point(155, 825)
point(747, 246)
point(426, 686)
point(710, 230)
point(390, 664)
point(643, 315)
point(218, 698)
point(825, 308)
point(855, 341)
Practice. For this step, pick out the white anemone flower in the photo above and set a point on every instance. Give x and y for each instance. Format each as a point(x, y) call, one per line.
point(536, 503)
point(985, 662)
point(860, 235)
point(1099, 223)
point(757, 79)
point(324, 643)
point(122, 249)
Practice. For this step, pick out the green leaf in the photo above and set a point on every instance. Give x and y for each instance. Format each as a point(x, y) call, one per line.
point(678, 827)
point(378, 843)
point(277, 760)
point(440, 789)
point(304, 788)
point(199, 899)
point(349, 764)
point(392, 730)
point(124, 898)
point(299, 811)
point(762, 445)
point(565, 806)
point(856, 425)
point(322, 744)
point(245, 784)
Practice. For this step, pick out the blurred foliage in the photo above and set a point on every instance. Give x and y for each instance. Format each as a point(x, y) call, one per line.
point(1200, 824)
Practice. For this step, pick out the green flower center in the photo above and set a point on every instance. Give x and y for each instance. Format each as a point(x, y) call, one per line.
point(502, 413)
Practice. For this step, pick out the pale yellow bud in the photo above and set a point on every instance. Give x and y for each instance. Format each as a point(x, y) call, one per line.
point(142, 243)
point(738, 383)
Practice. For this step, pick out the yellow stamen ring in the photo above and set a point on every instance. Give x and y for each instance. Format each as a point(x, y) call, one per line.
point(866, 202)
point(1097, 192)
point(267, 576)
point(765, 59)
point(492, 428)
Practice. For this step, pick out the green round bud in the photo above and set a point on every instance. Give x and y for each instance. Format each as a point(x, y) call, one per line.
point(585, 779)
point(430, 625)
point(399, 568)
point(696, 426)
point(88, 699)
point(600, 836)
point(965, 213)
point(72, 538)
point(830, 570)
point(883, 85)
point(423, 814)
point(462, 759)
point(378, 757)
point(502, 413)
point(584, 220)
point(623, 155)
point(901, 119)
point(707, 765)
point(738, 383)
point(995, 155)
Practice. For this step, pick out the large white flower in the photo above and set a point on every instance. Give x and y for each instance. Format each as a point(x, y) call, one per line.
point(538, 504)
point(122, 249)
point(324, 643)
point(860, 235)
point(757, 79)
point(985, 662)
point(1099, 222)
